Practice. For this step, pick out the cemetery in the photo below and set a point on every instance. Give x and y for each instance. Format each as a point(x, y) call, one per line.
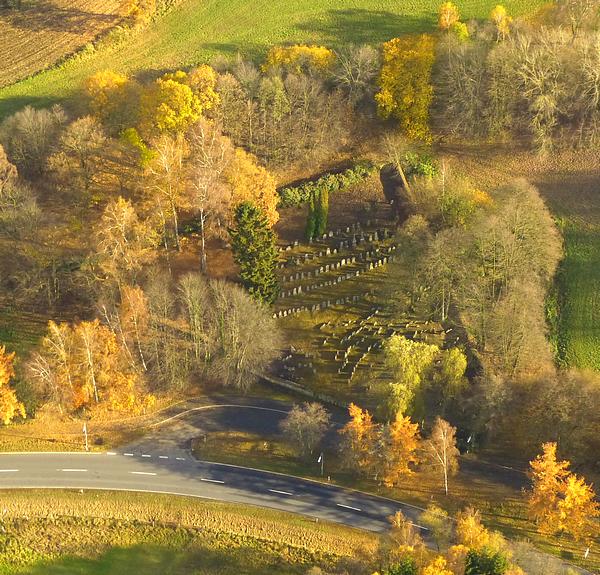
point(335, 309)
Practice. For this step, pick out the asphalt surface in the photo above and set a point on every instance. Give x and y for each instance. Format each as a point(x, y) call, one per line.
point(179, 474)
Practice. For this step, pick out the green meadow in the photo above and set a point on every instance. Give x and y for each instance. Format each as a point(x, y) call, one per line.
point(197, 30)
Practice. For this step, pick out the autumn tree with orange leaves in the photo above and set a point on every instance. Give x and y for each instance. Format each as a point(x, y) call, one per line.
point(398, 449)
point(359, 440)
point(560, 501)
point(84, 366)
point(10, 406)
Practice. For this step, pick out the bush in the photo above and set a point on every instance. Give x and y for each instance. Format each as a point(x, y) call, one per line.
point(485, 562)
point(299, 195)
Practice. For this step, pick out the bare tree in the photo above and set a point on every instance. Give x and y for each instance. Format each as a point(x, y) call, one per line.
point(30, 135)
point(441, 449)
point(305, 426)
point(210, 196)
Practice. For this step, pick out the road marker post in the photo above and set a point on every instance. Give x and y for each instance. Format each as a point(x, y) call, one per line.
point(85, 436)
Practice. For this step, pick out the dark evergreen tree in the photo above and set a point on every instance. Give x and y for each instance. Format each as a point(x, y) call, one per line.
point(485, 562)
point(311, 220)
point(254, 250)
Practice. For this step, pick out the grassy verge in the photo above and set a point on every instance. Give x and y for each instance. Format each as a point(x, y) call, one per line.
point(488, 489)
point(198, 30)
point(109, 532)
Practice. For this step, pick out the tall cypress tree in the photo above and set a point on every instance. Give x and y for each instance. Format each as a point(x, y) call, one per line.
point(254, 251)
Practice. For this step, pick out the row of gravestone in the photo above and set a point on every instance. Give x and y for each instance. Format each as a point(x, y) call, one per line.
point(378, 235)
point(325, 304)
point(299, 290)
point(352, 229)
point(346, 261)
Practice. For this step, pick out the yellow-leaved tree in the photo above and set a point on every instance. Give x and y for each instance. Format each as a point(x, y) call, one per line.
point(295, 58)
point(250, 182)
point(439, 566)
point(359, 440)
point(560, 501)
point(448, 16)
point(168, 105)
point(501, 20)
point(405, 89)
point(10, 406)
point(548, 476)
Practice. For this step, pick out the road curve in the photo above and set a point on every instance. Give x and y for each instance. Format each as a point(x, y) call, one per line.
point(182, 475)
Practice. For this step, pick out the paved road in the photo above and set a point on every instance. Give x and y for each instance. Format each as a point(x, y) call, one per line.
point(180, 474)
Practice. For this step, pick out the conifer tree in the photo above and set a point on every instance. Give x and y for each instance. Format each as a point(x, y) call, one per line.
point(253, 243)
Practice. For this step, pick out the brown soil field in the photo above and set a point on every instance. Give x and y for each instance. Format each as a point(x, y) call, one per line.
point(45, 31)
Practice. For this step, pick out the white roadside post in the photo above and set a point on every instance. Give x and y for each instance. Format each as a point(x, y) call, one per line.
point(320, 460)
point(85, 436)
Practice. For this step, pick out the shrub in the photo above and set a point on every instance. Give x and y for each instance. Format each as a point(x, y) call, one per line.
point(302, 194)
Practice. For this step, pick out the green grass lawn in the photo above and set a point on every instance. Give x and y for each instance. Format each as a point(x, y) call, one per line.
point(579, 287)
point(199, 29)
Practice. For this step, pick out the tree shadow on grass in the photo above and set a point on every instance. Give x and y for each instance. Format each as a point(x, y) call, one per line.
point(359, 26)
point(163, 560)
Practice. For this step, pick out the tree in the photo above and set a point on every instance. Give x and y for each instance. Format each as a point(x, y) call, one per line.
point(411, 363)
point(125, 244)
point(501, 20)
point(8, 171)
point(79, 159)
point(295, 58)
point(166, 182)
point(437, 567)
point(560, 501)
point(578, 510)
point(548, 476)
point(194, 295)
point(405, 86)
point(10, 406)
point(252, 183)
point(578, 12)
point(29, 136)
point(203, 82)
point(210, 196)
point(470, 532)
point(448, 16)
point(486, 562)
point(439, 525)
point(305, 426)
point(442, 450)
point(113, 99)
point(355, 71)
point(168, 106)
point(254, 251)
point(406, 566)
point(245, 334)
point(398, 451)
point(359, 440)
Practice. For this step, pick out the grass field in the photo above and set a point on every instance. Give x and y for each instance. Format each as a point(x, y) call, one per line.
point(63, 532)
point(199, 29)
point(42, 33)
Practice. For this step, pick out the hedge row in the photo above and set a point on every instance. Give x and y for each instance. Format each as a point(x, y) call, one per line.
point(298, 195)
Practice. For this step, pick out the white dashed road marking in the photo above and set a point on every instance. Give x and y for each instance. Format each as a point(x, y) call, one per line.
point(146, 455)
point(163, 457)
point(142, 473)
point(348, 507)
point(281, 492)
point(211, 480)
point(180, 458)
point(8, 470)
point(110, 453)
point(128, 454)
